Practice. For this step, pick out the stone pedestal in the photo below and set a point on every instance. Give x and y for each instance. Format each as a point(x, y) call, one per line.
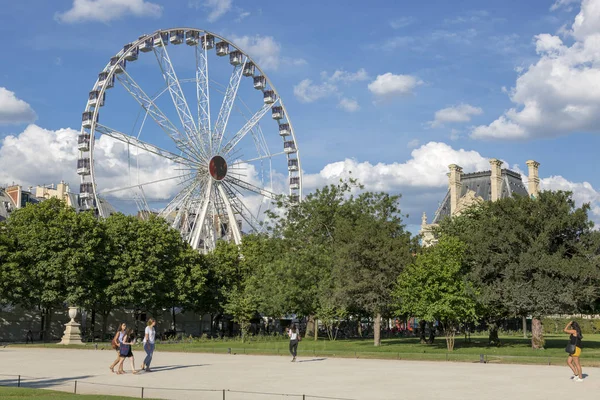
point(72, 333)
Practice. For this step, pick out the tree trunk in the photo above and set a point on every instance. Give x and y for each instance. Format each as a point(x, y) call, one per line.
point(431, 333)
point(42, 322)
point(524, 327)
point(537, 334)
point(359, 327)
point(47, 324)
point(92, 327)
point(174, 320)
point(422, 337)
point(310, 326)
point(450, 333)
point(493, 339)
point(377, 330)
point(316, 329)
point(104, 324)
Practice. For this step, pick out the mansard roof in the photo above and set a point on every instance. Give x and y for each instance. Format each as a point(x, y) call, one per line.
point(480, 183)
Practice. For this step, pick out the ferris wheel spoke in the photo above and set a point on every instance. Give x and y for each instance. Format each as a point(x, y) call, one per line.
point(235, 229)
point(177, 95)
point(246, 128)
point(178, 199)
point(132, 141)
point(200, 219)
point(140, 185)
point(227, 105)
point(265, 157)
point(250, 187)
point(203, 93)
point(182, 142)
point(245, 212)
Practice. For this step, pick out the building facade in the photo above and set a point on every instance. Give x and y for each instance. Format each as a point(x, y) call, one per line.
point(466, 190)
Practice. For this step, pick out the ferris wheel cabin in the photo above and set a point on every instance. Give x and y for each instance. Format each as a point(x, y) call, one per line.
point(83, 166)
point(104, 81)
point(161, 39)
point(293, 164)
point(295, 182)
point(94, 99)
point(119, 67)
point(284, 129)
point(248, 69)
point(222, 49)
point(269, 97)
point(83, 142)
point(146, 45)
point(131, 53)
point(236, 57)
point(208, 42)
point(289, 147)
point(260, 82)
point(277, 113)
point(86, 119)
point(176, 37)
point(191, 38)
point(86, 190)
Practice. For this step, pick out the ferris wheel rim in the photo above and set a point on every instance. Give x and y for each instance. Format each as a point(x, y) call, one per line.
point(111, 73)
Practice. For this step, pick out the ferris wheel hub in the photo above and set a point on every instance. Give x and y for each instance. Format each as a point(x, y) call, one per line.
point(217, 168)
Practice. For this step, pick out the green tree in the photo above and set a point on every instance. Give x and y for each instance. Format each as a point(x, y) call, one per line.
point(434, 288)
point(371, 250)
point(529, 257)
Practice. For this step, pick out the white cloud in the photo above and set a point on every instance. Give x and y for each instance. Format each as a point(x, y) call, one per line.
point(563, 3)
point(454, 134)
point(14, 110)
point(583, 192)
point(307, 92)
point(390, 85)
point(39, 156)
point(402, 22)
point(560, 93)
point(413, 143)
point(216, 8)
point(265, 50)
point(459, 113)
point(108, 10)
point(340, 75)
point(349, 105)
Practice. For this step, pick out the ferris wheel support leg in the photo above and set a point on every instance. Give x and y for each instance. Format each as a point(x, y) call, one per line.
point(200, 217)
point(235, 230)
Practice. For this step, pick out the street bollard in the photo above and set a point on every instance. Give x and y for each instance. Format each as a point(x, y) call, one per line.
point(481, 360)
point(96, 346)
point(303, 397)
point(229, 350)
point(75, 389)
point(142, 392)
point(223, 394)
point(19, 381)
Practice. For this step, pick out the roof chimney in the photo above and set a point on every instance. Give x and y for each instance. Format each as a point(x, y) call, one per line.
point(454, 184)
point(496, 178)
point(534, 179)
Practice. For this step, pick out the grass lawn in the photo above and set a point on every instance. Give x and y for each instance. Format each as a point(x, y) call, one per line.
point(513, 349)
point(43, 394)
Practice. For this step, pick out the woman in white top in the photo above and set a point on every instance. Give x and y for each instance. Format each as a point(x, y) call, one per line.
point(294, 339)
point(149, 336)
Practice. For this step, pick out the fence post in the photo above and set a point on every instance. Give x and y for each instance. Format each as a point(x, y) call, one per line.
point(223, 394)
point(75, 389)
point(19, 381)
point(303, 397)
point(446, 356)
point(548, 360)
point(481, 360)
point(142, 392)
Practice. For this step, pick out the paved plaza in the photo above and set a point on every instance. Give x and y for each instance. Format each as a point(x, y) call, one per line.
point(333, 377)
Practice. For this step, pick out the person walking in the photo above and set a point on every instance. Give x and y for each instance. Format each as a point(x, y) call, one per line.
point(294, 339)
point(115, 343)
point(574, 349)
point(149, 337)
point(125, 351)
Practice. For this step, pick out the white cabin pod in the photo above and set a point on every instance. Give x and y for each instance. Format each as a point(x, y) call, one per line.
point(295, 182)
point(86, 190)
point(176, 36)
point(248, 69)
point(83, 142)
point(236, 57)
point(260, 82)
point(161, 39)
point(295, 198)
point(293, 164)
point(86, 119)
point(269, 96)
point(284, 129)
point(104, 81)
point(83, 166)
point(131, 52)
point(118, 66)
point(222, 49)
point(192, 38)
point(289, 147)
point(277, 112)
point(208, 42)
point(95, 100)
point(146, 45)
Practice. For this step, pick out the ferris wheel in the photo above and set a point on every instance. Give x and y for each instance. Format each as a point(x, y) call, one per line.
point(211, 168)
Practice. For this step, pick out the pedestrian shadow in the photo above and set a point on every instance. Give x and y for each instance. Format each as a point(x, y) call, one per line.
point(172, 367)
point(314, 359)
point(42, 383)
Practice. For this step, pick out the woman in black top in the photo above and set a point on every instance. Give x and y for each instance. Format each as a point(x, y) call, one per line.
point(575, 337)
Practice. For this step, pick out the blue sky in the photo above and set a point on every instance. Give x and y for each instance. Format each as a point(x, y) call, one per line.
point(392, 91)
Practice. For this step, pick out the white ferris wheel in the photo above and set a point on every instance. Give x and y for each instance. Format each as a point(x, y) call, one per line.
point(210, 169)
